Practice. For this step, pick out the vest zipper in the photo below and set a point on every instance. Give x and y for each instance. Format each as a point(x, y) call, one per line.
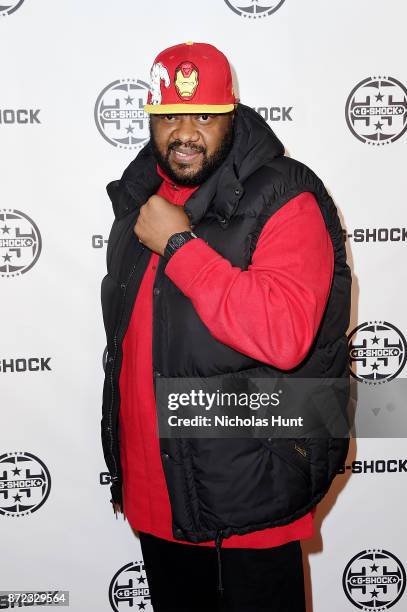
point(218, 546)
point(114, 476)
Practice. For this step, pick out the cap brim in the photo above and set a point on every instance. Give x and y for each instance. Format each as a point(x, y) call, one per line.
point(173, 109)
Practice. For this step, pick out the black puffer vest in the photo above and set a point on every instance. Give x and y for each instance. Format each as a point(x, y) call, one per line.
point(228, 486)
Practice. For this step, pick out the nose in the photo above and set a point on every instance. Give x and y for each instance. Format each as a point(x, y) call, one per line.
point(186, 130)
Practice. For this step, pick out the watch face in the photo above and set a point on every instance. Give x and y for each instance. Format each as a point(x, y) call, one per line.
point(177, 240)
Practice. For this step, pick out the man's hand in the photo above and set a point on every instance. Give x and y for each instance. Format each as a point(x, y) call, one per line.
point(157, 221)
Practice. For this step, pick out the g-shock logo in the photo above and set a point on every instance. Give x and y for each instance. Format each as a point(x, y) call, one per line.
point(104, 478)
point(377, 352)
point(25, 483)
point(377, 234)
point(10, 7)
point(129, 588)
point(274, 113)
point(25, 364)
point(20, 243)
point(20, 116)
point(376, 466)
point(374, 580)
point(376, 110)
point(120, 116)
point(254, 9)
point(98, 241)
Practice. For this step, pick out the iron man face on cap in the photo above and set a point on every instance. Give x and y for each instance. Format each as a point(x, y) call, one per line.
point(186, 80)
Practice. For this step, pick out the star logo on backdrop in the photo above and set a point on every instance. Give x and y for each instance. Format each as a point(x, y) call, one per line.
point(10, 7)
point(129, 588)
point(119, 113)
point(377, 352)
point(20, 243)
point(29, 491)
point(374, 580)
point(376, 110)
point(254, 9)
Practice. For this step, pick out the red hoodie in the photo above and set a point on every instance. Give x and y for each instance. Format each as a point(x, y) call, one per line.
point(271, 312)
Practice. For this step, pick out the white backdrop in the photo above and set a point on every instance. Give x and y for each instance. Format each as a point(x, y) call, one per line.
point(303, 61)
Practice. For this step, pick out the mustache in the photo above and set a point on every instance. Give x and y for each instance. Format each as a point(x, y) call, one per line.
point(178, 144)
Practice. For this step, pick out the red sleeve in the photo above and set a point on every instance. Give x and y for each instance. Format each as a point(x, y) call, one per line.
point(271, 311)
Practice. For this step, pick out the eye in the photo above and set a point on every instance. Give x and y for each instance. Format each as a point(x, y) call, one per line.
point(204, 118)
point(170, 118)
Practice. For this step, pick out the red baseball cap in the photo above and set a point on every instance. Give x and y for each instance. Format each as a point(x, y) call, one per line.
point(190, 78)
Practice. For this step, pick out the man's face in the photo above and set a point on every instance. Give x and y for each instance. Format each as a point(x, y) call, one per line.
point(190, 147)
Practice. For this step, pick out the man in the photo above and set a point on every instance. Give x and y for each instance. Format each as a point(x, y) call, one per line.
point(225, 258)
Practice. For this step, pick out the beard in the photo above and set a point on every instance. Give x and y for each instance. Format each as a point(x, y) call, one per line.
point(210, 163)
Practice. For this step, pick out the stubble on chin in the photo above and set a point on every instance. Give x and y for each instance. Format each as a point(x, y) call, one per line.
point(199, 175)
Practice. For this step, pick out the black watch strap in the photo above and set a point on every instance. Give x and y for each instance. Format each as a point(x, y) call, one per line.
point(176, 241)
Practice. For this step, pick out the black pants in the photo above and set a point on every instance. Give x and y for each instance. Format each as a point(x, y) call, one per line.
point(185, 577)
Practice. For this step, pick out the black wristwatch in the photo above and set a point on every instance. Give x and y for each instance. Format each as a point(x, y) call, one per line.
point(176, 241)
